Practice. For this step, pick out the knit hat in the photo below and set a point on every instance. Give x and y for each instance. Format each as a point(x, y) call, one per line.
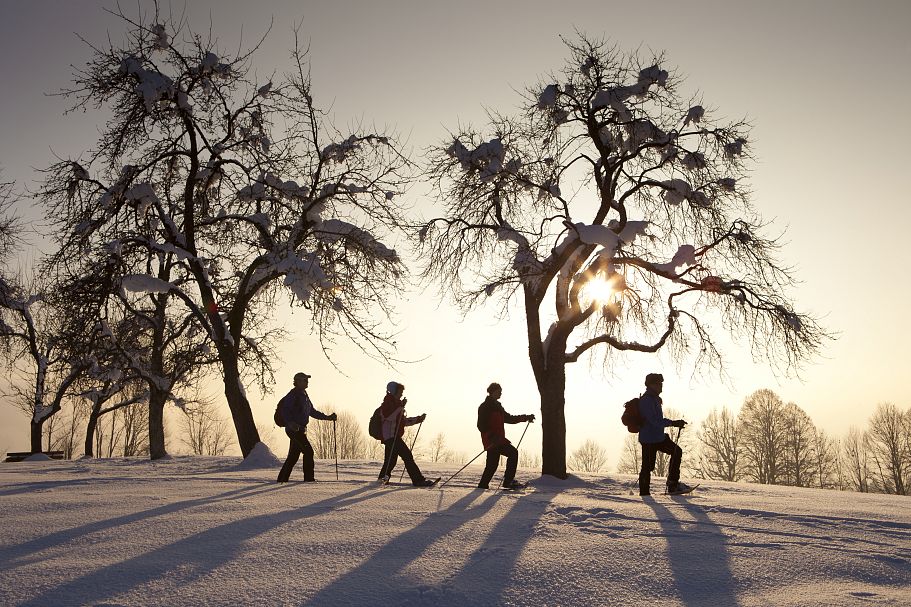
point(392, 386)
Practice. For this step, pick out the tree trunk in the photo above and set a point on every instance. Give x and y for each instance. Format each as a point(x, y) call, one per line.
point(36, 435)
point(241, 414)
point(157, 400)
point(553, 422)
point(90, 429)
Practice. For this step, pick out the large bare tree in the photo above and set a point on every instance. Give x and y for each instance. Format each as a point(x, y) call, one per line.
point(720, 446)
point(763, 425)
point(245, 184)
point(615, 206)
point(889, 449)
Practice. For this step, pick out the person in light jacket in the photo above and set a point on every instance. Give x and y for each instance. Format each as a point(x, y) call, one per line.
point(653, 438)
point(297, 409)
point(394, 421)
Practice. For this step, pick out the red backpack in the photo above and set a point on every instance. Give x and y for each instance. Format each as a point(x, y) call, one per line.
point(631, 417)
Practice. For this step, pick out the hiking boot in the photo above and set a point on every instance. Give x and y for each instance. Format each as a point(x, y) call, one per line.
point(426, 482)
point(483, 487)
point(679, 488)
point(383, 479)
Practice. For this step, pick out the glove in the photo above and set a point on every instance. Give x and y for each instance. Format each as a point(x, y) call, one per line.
point(423, 416)
point(679, 423)
point(530, 418)
point(293, 426)
point(404, 401)
point(333, 416)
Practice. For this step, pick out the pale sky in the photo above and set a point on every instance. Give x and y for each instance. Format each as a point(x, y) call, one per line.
point(824, 83)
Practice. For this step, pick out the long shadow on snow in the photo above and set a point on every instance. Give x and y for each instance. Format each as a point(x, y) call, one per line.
point(12, 554)
point(487, 575)
point(188, 559)
point(699, 560)
point(379, 580)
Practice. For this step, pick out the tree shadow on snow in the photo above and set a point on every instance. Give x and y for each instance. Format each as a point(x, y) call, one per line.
point(15, 556)
point(697, 556)
point(188, 559)
point(383, 579)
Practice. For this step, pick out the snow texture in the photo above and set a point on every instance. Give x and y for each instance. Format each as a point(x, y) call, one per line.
point(205, 531)
point(141, 283)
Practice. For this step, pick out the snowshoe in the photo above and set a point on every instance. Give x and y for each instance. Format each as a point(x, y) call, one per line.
point(680, 489)
point(514, 486)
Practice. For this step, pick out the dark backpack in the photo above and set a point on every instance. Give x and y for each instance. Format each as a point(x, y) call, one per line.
point(278, 417)
point(631, 417)
point(375, 427)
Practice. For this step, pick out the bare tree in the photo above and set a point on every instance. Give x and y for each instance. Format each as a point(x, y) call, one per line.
point(828, 463)
point(589, 457)
point(437, 448)
point(71, 427)
point(36, 338)
point(720, 450)
point(763, 424)
point(888, 448)
point(630, 461)
point(857, 462)
point(527, 459)
point(627, 202)
point(248, 185)
point(205, 432)
point(349, 437)
point(799, 442)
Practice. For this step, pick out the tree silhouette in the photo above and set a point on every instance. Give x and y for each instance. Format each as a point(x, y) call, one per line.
point(624, 203)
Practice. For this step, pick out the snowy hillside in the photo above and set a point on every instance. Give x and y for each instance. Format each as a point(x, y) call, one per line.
point(204, 531)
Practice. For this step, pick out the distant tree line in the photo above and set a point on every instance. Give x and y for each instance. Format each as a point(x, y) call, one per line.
point(773, 442)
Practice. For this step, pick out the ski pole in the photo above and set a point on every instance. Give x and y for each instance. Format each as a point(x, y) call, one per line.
point(335, 448)
point(463, 467)
point(413, 443)
point(517, 448)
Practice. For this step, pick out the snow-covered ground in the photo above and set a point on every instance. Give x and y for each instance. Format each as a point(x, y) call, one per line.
point(205, 531)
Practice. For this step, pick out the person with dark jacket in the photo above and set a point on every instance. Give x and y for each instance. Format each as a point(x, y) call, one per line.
point(653, 438)
point(297, 409)
point(491, 418)
point(394, 419)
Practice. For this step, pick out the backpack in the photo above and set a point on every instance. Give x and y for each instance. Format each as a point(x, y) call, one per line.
point(375, 427)
point(278, 417)
point(631, 417)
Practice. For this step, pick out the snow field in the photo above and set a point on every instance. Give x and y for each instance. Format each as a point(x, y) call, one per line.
point(207, 531)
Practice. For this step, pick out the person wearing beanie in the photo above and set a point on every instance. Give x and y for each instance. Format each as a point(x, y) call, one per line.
point(491, 417)
point(653, 438)
point(394, 421)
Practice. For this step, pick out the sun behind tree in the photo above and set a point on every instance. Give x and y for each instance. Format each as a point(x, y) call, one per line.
point(611, 172)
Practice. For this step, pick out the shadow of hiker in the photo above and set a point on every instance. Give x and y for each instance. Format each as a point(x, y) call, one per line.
point(190, 558)
point(698, 559)
point(14, 556)
point(490, 569)
point(382, 579)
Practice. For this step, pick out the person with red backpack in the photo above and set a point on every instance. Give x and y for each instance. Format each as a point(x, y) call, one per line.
point(295, 410)
point(392, 414)
point(653, 438)
point(491, 418)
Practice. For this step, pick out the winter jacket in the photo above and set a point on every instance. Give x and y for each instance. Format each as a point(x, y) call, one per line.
point(296, 407)
point(491, 417)
point(653, 420)
point(392, 411)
